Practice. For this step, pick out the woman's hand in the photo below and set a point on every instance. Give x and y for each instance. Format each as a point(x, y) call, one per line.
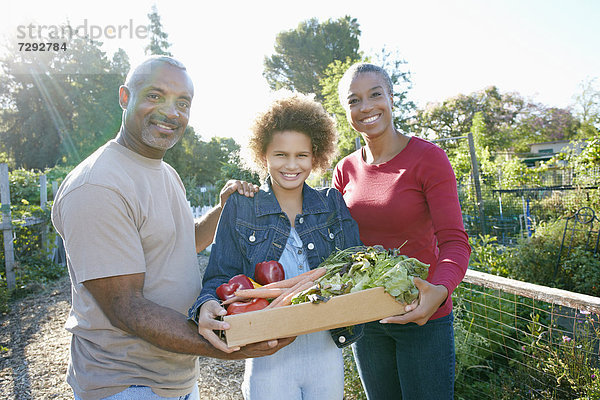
point(207, 323)
point(431, 298)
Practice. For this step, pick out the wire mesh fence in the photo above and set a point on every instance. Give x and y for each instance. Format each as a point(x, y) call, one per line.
point(516, 340)
point(513, 213)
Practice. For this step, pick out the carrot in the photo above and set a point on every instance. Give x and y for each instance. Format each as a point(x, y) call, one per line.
point(313, 274)
point(261, 292)
point(284, 285)
point(293, 289)
point(232, 299)
point(287, 299)
point(275, 302)
point(318, 272)
point(288, 290)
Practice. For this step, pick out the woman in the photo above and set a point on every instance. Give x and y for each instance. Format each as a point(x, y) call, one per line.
point(290, 222)
point(402, 192)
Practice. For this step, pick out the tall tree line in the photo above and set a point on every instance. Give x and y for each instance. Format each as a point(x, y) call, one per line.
point(199, 163)
point(312, 59)
point(58, 107)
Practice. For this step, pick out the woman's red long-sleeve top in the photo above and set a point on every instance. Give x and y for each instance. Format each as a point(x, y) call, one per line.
point(412, 198)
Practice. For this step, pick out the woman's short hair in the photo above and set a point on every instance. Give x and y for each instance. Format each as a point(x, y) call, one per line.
point(359, 68)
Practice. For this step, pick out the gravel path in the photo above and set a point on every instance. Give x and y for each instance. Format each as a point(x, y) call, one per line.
point(34, 350)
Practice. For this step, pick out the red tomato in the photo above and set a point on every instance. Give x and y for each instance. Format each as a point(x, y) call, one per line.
point(268, 271)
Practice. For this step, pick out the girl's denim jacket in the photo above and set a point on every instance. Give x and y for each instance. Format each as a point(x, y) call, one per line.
point(255, 229)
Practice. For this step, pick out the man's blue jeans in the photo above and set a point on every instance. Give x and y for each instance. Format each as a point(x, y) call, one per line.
point(136, 392)
point(408, 362)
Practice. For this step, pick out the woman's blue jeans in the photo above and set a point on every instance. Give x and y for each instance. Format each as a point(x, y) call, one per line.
point(408, 362)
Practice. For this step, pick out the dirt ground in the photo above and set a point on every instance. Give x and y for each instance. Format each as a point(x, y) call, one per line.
point(34, 350)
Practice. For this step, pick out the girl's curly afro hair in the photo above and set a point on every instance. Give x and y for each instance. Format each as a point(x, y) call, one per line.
point(297, 113)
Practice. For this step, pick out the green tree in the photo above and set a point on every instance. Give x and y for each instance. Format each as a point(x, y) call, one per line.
point(59, 106)
point(159, 45)
point(587, 109)
point(218, 151)
point(34, 112)
point(587, 102)
point(537, 123)
point(198, 161)
point(95, 99)
point(205, 166)
point(510, 121)
point(403, 107)
point(454, 117)
point(585, 164)
point(460, 156)
point(234, 169)
point(302, 54)
point(331, 103)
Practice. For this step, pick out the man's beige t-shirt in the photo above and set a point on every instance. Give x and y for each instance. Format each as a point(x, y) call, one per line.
point(121, 213)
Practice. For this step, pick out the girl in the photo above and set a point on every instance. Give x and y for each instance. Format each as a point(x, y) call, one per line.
point(297, 225)
point(402, 189)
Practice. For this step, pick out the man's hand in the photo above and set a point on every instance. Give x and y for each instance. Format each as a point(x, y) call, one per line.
point(122, 301)
point(261, 349)
point(430, 299)
point(207, 324)
point(244, 188)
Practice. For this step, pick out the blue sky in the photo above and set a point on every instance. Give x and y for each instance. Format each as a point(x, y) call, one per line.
point(542, 49)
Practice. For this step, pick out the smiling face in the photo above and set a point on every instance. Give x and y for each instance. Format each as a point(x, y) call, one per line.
point(157, 109)
point(369, 104)
point(289, 160)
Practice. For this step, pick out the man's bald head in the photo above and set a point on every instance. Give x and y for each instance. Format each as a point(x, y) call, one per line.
point(156, 100)
point(147, 69)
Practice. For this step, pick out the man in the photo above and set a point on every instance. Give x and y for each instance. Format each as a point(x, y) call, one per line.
point(131, 247)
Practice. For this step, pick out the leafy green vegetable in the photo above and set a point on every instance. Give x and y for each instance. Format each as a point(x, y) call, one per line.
point(364, 267)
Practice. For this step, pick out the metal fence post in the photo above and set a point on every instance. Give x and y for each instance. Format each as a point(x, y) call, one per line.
point(43, 191)
point(58, 251)
point(43, 205)
point(357, 144)
point(475, 166)
point(7, 231)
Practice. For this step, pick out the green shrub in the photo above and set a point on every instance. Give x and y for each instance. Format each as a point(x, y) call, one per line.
point(487, 328)
point(28, 239)
point(472, 354)
point(4, 298)
point(535, 260)
point(568, 365)
point(353, 389)
point(487, 255)
point(35, 271)
point(33, 268)
point(581, 272)
point(24, 185)
point(505, 350)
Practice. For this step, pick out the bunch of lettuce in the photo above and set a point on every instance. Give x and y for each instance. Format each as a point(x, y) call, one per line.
point(362, 267)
